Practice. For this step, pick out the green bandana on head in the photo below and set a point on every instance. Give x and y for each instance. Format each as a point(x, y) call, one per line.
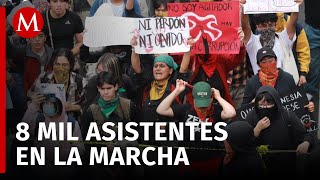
point(166, 59)
point(108, 107)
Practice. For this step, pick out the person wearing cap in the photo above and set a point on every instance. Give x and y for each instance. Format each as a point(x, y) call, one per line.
point(213, 68)
point(266, 26)
point(202, 163)
point(269, 75)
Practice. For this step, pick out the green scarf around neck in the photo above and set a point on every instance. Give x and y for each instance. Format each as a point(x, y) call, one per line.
point(108, 107)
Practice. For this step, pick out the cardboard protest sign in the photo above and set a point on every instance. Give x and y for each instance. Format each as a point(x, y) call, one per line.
point(162, 35)
point(270, 6)
point(294, 101)
point(217, 22)
point(108, 31)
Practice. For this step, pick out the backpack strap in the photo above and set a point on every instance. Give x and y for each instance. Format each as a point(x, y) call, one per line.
point(97, 114)
point(125, 107)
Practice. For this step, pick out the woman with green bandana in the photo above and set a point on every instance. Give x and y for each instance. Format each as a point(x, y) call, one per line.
point(110, 107)
point(151, 94)
point(60, 72)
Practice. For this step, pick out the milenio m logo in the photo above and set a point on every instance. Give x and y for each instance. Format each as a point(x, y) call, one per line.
point(27, 22)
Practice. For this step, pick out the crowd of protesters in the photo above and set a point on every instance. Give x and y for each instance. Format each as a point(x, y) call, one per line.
point(115, 84)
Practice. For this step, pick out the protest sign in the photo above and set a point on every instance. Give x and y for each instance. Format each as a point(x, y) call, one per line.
point(162, 35)
point(57, 89)
point(108, 31)
point(294, 101)
point(270, 6)
point(217, 22)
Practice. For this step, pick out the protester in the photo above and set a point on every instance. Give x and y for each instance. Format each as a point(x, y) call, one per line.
point(278, 129)
point(242, 158)
point(60, 72)
point(203, 163)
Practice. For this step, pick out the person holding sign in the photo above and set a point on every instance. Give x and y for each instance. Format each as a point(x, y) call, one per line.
point(213, 68)
point(60, 72)
point(279, 130)
point(50, 111)
point(203, 163)
point(269, 75)
point(266, 26)
point(152, 92)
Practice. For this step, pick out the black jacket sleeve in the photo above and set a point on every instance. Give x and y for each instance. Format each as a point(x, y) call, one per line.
point(90, 57)
point(300, 132)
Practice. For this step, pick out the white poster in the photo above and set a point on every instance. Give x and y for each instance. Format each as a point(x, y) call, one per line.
point(108, 31)
point(155, 35)
point(57, 89)
point(162, 35)
point(270, 6)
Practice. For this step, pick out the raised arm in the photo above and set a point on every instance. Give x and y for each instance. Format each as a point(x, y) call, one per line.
point(135, 58)
point(186, 58)
point(164, 107)
point(291, 26)
point(245, 24)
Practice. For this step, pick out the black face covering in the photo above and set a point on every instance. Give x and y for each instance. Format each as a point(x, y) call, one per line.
point(267, 112)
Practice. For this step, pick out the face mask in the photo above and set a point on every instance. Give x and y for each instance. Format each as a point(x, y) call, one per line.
point(269, 68)
point(61, 74)
point(163, 14)
point(267, 37)
point(267, 112)
point(49, 109)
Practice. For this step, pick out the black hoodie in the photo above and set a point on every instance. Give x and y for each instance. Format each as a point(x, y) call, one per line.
point(246, 161)
point(285, 132)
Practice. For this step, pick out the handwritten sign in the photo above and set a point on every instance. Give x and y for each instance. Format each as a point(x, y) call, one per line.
point(270, 6)
point(108, 31)
point(294, 101)
point(162, 35)
point(216, 22)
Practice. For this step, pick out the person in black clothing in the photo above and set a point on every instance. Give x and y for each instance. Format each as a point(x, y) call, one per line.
point(242, 158)
point(279, 129)
point(203, 163)
point(64, 25)
point(270, 75)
